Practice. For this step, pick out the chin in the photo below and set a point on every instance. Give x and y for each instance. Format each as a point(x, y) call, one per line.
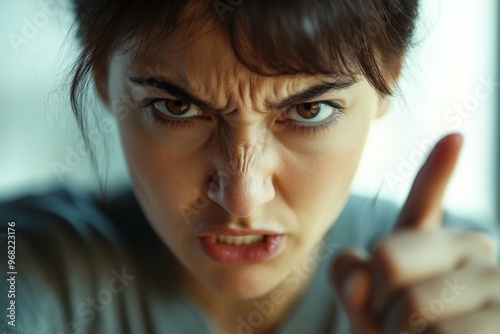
point(242, 283)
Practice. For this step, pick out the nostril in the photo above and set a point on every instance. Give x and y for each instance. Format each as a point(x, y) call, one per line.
point(218, 180)
point(212, 190)
point(211, 186)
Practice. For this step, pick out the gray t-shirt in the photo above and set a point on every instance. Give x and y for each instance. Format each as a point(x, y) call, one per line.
point(83, 265)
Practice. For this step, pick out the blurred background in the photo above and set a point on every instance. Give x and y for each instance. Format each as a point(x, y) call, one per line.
point(450, 83)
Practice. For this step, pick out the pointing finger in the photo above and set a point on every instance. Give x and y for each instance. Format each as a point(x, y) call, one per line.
point(423, 205)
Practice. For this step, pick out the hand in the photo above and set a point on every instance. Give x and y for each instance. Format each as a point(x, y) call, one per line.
point(423, 278)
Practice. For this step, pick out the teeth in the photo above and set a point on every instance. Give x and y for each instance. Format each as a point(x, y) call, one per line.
point(239, 240)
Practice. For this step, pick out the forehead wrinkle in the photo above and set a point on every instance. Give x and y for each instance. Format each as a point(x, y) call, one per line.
point(252, 93)
point(222, 78)
point(232, 88)
point(209, 69)
point(246, 90)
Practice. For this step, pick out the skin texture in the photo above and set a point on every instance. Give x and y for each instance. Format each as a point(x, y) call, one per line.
point(270, 176)
point(244, 166)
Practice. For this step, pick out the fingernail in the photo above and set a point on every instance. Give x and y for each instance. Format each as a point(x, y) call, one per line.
point(458, 136)
point(355, 289)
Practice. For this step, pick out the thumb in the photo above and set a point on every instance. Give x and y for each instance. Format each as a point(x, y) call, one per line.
point(351, 278)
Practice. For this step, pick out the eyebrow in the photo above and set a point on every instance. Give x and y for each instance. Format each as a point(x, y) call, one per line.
point(178, 92)
point(314, 92)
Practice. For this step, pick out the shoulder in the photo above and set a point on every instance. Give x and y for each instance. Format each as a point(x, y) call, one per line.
point(70, 253)
point(363, 220)
point(59, 220)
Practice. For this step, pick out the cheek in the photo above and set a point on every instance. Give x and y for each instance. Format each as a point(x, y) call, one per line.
point(165, 179)
point(318, 195)
point(319, 185)
point(321, 178)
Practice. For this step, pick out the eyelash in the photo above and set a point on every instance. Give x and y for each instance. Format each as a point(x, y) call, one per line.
point(322, 126)
point(292, 125)
point(162, 122)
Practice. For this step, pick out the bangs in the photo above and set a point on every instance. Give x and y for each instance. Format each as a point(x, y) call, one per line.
point(343, 37)
point(281, 37)
point(339, 38)
point(298, 40)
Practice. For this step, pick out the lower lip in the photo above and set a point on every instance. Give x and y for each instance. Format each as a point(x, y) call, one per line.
point(243, 254)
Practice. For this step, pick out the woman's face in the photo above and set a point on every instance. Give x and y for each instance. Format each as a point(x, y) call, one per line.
point(217, 150)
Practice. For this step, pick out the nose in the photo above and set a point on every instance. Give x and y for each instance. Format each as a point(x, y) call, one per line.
point(243, 182)
point(242, 195)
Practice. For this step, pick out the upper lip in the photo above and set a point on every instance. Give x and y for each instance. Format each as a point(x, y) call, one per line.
point(224, 230)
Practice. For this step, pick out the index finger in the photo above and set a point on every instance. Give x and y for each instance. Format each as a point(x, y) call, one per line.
point(423, 205)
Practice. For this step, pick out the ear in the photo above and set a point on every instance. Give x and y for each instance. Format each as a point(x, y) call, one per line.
point(385, 101)
point(383, 106)
point(101, 83)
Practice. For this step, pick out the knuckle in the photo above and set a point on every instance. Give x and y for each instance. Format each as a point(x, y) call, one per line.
point(482, 243)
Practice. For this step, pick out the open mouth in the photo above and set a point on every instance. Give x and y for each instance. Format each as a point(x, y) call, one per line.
point(240, 249)
point(240, 240)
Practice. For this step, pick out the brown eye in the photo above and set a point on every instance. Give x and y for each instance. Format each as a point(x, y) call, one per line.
point(314, 112)
point(177, 107)
point(309, 110)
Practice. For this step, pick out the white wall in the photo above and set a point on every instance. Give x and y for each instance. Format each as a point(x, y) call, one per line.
point(36, 124)
point(447, 86)
point(453, 60)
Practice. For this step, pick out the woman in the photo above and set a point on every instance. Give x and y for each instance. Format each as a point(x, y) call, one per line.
point(243, 123)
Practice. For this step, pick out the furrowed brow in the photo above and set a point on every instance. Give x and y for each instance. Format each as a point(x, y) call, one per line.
point(173, 90)
point(177, 92)
point(314, 92)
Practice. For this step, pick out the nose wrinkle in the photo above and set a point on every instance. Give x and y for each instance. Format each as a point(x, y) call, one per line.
point(238, 176)
point(241, 151)
point(241, 159)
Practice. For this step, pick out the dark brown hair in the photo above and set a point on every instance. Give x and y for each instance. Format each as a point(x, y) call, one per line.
point(271, 37)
